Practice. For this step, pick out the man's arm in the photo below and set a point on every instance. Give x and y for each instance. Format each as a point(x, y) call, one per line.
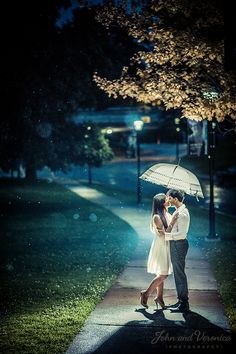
point(183, 226)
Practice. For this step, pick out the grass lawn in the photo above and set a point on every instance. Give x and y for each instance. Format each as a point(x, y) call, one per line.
point(59, 254)
point(221, 255)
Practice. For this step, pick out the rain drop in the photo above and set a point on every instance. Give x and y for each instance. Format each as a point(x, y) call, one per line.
point(44, 130)
point(9, 267)
point(93, 217)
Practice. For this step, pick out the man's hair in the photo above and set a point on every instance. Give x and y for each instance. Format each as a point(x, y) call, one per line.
point(176, 194)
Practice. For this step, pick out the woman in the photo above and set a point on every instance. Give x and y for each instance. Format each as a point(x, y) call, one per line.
point(159, 261)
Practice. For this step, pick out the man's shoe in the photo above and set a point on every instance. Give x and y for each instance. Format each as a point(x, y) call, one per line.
point(173, 306)
point(182, 307)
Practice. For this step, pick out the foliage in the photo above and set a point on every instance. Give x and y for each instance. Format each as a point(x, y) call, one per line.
point(57, 146)
point(93, 147)
point(181, 65)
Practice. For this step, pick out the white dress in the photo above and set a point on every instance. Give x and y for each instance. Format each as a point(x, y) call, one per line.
point(159, 261)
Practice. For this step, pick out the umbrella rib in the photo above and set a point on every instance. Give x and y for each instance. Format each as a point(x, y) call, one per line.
point(177, 179)
point(172, 174)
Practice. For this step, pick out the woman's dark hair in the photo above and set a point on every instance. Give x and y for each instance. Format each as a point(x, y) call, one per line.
point(158, 207)
point(176, 194)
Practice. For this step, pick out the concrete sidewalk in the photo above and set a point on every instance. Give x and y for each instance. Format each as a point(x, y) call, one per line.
point(119, 324)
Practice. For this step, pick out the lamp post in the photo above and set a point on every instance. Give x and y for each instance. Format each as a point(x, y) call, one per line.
point(211, 125)
point(177, 121)
point(210, 96)
point(138, 126)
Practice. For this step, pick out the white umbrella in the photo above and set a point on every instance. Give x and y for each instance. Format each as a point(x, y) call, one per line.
point(173, 177)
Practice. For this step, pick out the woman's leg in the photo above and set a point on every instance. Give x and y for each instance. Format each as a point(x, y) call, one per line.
point(155, 283)
point(160, 289)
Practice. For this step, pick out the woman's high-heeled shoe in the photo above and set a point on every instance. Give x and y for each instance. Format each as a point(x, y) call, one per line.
point(143, 299)
point(160, 302)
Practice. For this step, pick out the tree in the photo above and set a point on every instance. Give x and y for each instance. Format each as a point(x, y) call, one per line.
point(93, 148)
point(46, 77)
point(181, 65)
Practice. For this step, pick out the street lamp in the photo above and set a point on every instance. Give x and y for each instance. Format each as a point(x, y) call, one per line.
point(138, 126)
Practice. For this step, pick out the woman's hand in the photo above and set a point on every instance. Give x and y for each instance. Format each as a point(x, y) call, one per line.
point(160, 231)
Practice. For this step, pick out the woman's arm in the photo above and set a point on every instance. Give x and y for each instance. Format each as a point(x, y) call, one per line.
point(159, 225)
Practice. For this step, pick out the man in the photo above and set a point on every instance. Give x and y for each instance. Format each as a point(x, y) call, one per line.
point(179, 248)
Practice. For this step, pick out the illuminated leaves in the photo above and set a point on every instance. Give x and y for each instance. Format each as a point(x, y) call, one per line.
point(181, 64)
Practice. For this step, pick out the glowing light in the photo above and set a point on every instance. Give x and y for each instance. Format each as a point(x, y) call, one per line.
point(177, 120)
point(146, 119)
point(138, 125)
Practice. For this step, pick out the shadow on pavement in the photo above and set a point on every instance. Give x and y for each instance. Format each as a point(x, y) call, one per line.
point(158, 334)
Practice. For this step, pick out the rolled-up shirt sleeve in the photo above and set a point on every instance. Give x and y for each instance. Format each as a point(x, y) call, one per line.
point(180, 229)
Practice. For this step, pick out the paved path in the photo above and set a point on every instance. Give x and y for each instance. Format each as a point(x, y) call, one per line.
point(119, 324)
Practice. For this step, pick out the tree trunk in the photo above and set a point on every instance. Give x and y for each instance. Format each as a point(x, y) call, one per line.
point(30, 171)
point(89, 174)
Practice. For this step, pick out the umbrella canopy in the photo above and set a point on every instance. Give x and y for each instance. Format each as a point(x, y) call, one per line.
point(173, 177)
